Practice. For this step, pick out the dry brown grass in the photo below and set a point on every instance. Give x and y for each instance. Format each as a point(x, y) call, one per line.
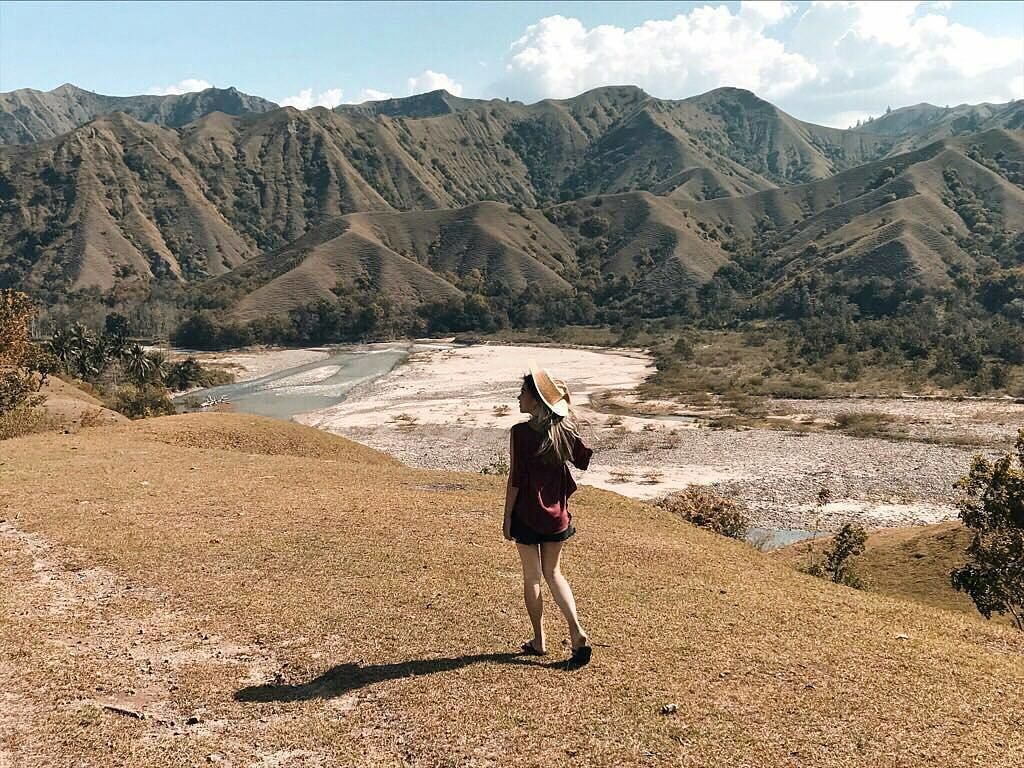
point(380, 606)
point(910, 563)
point(871, 424)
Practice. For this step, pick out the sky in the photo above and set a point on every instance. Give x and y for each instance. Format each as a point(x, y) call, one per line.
point(827, 62)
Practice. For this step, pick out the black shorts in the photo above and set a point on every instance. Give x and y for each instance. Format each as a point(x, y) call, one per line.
point(523, 534)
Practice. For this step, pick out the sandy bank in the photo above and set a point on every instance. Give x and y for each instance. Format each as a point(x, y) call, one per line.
point(257, 363)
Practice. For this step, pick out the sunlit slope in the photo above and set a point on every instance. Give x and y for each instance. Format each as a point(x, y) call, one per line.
point(320, 604)
point(410, 258)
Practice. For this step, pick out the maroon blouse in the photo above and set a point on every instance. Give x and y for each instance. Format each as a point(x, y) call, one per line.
point(544, 489)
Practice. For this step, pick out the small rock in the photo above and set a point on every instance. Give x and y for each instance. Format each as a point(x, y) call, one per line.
point(214, 758)
point(902, 637)
point(193, 720)
point(669, 709)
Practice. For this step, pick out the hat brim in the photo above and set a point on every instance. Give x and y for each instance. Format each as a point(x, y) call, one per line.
point(542, 381)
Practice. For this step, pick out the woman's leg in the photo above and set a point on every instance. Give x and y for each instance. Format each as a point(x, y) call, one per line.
point(550, 552)
point(532, 574)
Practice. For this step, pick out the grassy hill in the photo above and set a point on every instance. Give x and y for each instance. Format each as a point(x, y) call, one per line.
point(261, 592)
point(908, 563)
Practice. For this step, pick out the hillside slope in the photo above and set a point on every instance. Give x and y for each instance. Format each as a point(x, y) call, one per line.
point(27, 115)
point(407, 258)
point(907, 218)
point(120, 206)
point(922, 124)
point(259, 598)
point(907, 563)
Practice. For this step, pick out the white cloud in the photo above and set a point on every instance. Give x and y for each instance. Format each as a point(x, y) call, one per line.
point(372, 94)
point(709, 47)
point(767, 12)
point(432, 81)
point(833, 61)
point(188, 85)
point(306, 100)
point(872, 55)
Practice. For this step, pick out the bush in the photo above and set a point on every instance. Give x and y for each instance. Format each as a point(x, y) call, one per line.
point(868, 424)
point(993, 508)
point(847, 544)
point(706, 509)
point(21, 421)
point(497, 467)
point(21, 374)
point(142, 402)
point(188, 373)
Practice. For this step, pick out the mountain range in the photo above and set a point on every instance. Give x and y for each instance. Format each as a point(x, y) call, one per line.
point(122, 194)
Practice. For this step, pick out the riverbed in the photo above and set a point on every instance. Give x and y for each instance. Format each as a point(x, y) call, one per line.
point(446, 406)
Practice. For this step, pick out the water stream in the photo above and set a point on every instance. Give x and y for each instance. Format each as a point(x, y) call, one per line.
point(304, 388)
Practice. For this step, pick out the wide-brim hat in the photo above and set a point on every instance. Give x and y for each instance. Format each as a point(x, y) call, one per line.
point(552, 391)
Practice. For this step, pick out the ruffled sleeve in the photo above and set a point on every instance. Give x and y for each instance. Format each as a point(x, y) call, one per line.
point(581, 454)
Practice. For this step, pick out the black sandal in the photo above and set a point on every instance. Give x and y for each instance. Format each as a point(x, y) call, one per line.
point(529, 650)
point(580, 657)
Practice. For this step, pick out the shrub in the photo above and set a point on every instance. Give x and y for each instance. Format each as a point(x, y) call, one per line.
point(21, 421)
point(846, 545)
point(706, 509)
point(993, 508)
point(142, 402)
point(868, 424)
point(21, 375)
point(497, 467)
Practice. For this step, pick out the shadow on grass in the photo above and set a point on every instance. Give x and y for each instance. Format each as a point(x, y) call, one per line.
point(344, 678)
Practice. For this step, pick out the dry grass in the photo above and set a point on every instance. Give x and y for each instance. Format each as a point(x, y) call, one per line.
point(871, 424)
point(910, 563)
point(336, 608)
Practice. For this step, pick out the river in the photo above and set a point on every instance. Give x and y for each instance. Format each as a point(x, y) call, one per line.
point(304, 388)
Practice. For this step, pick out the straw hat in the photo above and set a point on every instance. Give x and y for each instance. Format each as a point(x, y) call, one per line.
point(552, 391)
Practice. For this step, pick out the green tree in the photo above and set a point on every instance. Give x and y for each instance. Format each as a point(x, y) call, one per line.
point(847, 544)
point(138, 366)
point(993, 508)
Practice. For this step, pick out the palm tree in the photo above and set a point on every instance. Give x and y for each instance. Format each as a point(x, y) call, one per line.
point(81, 341)
point(63, 347)
point(159, 365)
point(93, 360)
point(137, 364)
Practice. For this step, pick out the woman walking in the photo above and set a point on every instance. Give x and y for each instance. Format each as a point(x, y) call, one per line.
point(537, 502)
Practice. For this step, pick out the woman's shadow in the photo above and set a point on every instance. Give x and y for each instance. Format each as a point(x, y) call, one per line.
point(343, 678)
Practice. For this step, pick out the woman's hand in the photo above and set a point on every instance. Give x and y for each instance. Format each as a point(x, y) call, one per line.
point(506, 530)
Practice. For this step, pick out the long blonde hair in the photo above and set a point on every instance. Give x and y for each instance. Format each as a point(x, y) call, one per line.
point(560, 432)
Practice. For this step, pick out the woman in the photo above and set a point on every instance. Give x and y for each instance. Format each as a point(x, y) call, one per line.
point(537, 502)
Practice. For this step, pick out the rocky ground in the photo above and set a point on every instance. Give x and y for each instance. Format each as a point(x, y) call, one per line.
point(444, 411)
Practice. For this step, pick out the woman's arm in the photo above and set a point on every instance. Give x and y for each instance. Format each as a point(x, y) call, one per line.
point(511, 491)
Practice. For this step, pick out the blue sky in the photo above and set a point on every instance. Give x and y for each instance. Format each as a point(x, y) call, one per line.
point(829, 63)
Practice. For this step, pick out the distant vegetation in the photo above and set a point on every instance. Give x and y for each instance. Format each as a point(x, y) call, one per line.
point(129, 379)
